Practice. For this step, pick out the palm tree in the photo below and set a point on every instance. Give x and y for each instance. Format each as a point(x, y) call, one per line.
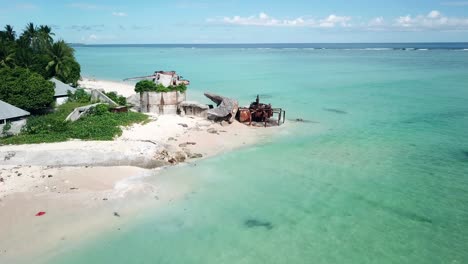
point(7, 55)
point(25, 57)
point(46, 33)
point(30, 35)
point(10, 33)
point(30, 31)
point(61, 59)
point(44, 38)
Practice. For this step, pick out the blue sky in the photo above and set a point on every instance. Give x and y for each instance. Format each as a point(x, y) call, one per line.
point(244, 21)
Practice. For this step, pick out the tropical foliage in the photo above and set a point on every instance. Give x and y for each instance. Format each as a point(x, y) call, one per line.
point(145, 86)
point(150, 86)
point(119, 99)
point(36, 50)
point(100, 124)
point(26, 89)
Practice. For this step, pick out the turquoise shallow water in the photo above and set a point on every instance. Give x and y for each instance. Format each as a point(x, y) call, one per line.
point(384, 180)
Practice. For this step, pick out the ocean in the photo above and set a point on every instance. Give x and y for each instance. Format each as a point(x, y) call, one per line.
point(378, 173)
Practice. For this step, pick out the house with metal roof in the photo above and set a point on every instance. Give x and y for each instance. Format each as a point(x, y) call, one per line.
point(9, 112)
point(13, 115)
point(61, 91)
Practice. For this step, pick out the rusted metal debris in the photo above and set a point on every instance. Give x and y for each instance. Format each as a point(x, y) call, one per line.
point(259, 112)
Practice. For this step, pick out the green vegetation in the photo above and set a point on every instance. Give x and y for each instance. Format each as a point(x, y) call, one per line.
point(119, 99)
point(150, 86)
point(6, 128)
point(26, 63)
point(100, 124)
point(25, 89)
point(36, 50)
point(80, 96)
point(144, 86)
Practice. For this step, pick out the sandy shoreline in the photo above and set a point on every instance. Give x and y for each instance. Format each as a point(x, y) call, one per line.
point(80, 184)
point(123, 88)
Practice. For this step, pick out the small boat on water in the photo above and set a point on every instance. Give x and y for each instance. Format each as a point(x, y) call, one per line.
point(166, 78)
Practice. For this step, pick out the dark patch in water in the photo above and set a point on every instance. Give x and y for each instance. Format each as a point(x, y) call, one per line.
point(397, 211)
point(336, 111)
point(465, 153)
point(251, 223)
point(300, 120)
point(431, 118)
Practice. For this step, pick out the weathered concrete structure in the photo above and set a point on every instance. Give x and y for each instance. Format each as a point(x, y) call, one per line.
point(165, 78)
point(80, 112)
point(161, 103)
point(99, 96)
point(193, 108)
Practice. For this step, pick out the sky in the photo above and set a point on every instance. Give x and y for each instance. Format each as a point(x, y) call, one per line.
point(243, 21)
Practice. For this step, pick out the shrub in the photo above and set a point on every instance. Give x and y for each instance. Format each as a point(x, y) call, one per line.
point(181, 88)
point(119, 99)
point(100, 124)
point(74, 74)
point(150, 86)
point(25, 89)
point(45, 124)
point(6, 128)
point(145, 86)
point(80, 95)
point(100, 109)
point(161, 88)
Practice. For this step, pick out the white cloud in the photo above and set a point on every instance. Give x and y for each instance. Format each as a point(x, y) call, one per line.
point(376, 22)
point(119, 14)
point(333, 20)
point(432, 21)
point(95, 38)
point(263, 19)
point(92, 37)
point(434, 14)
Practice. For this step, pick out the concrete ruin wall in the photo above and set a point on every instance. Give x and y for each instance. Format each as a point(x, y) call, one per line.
point(99, 96)
point(193, 109)
point(15, 129)
point(161, 103)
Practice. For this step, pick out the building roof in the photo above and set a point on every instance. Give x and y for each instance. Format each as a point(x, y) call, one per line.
point(8, 111)
point(61, 88)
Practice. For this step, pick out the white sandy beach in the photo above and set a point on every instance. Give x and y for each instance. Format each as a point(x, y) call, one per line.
point(123, 88)
point(80, 184)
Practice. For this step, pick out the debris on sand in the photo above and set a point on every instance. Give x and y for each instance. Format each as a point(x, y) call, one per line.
point(226, 110)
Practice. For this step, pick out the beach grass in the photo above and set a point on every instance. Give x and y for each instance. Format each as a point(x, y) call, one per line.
point(52, 127)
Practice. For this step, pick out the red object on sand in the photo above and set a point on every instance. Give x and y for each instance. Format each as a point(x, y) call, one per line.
point(40, 213)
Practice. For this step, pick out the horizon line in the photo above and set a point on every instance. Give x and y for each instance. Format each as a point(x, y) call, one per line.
point(256, 43)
